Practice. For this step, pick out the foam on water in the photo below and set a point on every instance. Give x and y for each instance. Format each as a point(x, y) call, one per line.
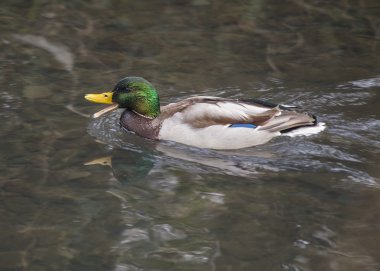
point(307, 131)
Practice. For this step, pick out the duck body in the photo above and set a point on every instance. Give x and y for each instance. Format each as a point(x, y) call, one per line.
point(212, 122)
point(216, 123)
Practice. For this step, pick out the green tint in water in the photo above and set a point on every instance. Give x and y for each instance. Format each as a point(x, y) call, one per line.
point(293, 204)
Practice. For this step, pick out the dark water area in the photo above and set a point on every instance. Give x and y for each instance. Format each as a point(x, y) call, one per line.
point(80, 194)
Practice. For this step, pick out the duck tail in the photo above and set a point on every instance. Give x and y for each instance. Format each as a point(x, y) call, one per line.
point(305, 130)
point(291, 123)
point(312, 122)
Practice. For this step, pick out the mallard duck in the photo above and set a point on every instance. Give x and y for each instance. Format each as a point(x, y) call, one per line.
point(200, 121)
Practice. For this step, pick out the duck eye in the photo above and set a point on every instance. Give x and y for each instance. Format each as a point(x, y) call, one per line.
point(105, 95)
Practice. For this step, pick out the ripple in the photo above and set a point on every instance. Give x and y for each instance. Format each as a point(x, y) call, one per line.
point(166, 232)
point(331, 99)
point(107, 131)
point(367, 83)
point(134, 235)
point(9, 107)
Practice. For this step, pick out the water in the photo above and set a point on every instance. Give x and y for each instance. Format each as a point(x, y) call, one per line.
point(79, 194)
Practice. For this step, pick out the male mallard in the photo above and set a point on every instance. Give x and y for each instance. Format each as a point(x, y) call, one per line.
point(201, 121)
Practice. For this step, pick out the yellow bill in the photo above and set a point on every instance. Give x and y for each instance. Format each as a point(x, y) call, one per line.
point(103, 98)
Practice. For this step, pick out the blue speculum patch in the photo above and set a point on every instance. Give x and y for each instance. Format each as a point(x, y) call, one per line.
point(238, 125)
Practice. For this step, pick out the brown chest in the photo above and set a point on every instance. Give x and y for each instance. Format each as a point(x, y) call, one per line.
point(142, 126)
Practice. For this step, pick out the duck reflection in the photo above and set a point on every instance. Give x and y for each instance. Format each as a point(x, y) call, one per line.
point(162, 209)
point(183, 210)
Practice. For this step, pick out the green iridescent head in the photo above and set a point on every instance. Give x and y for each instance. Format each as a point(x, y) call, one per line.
point(132, 93)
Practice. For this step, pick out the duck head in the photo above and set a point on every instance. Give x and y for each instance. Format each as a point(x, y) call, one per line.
point(132, 93)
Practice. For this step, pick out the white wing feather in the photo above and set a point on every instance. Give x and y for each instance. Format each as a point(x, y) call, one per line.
point(224, 109)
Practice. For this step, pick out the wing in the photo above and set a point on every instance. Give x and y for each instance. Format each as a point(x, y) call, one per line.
point(204, 111)
point(287, 121)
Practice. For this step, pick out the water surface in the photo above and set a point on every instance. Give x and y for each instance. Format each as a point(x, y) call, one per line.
point(80, 194)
